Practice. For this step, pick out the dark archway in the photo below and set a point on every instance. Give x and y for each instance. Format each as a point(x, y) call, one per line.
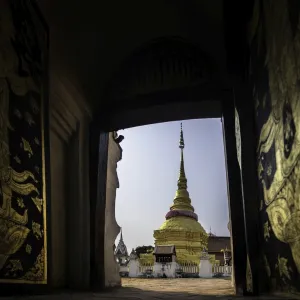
point(167, 79)
point(162, 71)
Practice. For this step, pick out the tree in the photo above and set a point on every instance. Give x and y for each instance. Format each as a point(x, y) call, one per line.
point(143, 249)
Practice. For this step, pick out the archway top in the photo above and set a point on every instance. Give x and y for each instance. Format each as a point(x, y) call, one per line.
point(162, 64)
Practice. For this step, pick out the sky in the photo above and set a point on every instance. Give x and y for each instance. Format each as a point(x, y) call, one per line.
point(148, 174)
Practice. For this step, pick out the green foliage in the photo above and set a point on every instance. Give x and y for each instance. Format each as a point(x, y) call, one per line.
point(143, 250)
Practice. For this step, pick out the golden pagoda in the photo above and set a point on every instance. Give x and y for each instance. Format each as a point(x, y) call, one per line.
point(181, 227)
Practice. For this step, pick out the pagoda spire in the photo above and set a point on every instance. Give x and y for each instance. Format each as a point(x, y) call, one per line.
point(182, 199)
point(182, 181)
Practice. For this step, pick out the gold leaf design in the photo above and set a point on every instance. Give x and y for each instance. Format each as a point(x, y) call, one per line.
point(26, 147)
point(36, 229)
point(29, 119)
point(20, 202)
point(13, 267)
point(38, 203)
point(28, 249)
point(17, 159)
point(36, 273)
point(282, 267)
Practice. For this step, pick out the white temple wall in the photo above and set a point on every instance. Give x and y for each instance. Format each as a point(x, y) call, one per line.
point(205, 269)
point(112, 229)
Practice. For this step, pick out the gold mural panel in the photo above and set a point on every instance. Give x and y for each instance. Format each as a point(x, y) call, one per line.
point(282, 129)
point(275, 71)
point(23, 224)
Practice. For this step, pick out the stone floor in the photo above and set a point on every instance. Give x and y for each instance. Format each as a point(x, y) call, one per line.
point(164, 289)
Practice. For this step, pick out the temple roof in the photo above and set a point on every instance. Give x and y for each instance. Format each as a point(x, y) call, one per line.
point(216, 243)
point(121, 248)
point(133, 254)
point(166, 249)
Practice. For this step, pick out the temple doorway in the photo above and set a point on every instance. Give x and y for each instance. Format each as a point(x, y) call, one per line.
point(153, 87)
point(151, 172)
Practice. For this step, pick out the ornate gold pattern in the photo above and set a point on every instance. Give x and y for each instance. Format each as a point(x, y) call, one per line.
point(282, 267)
point(38, 203)
point(36, 273)
point(36, 229)
point(278, 120)
point(20, 202)
point(28, 249)
point(26, 147)
point(13, 267)
point(16, 184)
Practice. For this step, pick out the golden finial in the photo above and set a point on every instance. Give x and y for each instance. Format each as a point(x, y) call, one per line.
point(181, 141)
point(182, 181)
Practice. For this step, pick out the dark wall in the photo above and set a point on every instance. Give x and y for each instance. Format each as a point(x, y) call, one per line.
point(274, 40)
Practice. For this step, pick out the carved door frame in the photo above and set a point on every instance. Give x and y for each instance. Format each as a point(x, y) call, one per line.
point(231, 135)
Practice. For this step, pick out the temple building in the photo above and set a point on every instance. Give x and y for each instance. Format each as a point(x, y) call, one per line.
point(219, 248)
point(181, 227)
point(121, 252)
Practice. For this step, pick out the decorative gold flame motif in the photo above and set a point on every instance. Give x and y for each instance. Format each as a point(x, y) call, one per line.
point(38, 203)
point(278, 149)
point(15, 184)
point(181, 227)
point(37, 271)
point(26, 146)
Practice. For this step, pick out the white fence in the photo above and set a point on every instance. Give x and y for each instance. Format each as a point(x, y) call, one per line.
point(185, 268)
point(144, 268)
point(226, 270)
point(189, 268)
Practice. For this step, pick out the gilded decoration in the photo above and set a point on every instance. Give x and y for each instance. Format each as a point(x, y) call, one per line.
point(23, 43)
point(275, 75)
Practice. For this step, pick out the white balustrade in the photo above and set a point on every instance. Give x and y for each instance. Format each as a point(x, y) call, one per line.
point(178, 271)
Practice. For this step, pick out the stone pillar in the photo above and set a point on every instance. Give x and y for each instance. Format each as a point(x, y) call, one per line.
point(205, 267)
point(172, 271)
point(133, 268)
point(112, 229)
